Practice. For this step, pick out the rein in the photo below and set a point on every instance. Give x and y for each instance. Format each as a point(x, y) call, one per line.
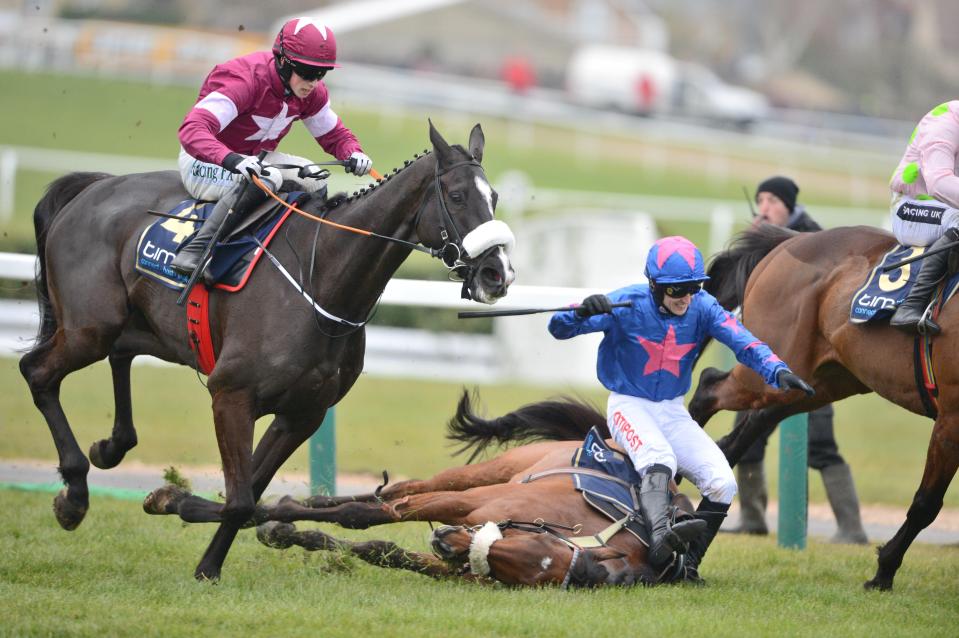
point(451, 253)
point(359, 231)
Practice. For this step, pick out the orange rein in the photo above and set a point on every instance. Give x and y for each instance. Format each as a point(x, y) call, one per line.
point(359, 231)
point(259, 183)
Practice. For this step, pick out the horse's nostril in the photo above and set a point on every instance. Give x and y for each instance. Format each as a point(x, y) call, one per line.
point(492, 275)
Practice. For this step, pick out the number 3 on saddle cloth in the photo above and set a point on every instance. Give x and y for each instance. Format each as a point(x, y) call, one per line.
point(882, 292)
point(230, 267)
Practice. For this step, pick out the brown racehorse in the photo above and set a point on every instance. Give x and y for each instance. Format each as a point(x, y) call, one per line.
point(797, 299)
point(521, 550)
point(276, 352)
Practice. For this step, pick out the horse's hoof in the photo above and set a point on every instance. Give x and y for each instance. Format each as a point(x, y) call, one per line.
point(441, 548)
point(322, 501)
point(68, 514)
point(286, 509)
point(276, 534)
point(877, 584)
point(100, 458)
point(207, 575)
point(164, 500)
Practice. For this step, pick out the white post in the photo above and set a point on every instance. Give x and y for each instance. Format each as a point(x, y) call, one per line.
point(720, 228)
point(8, 181)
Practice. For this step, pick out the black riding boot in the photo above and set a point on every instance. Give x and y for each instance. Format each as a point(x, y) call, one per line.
point(664, 539)
point(712, 514)
point(188, 258)
point(908, 316)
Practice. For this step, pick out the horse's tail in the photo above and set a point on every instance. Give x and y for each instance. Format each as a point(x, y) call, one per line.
point(59, 193)
point(563, 419)
point(729, 270)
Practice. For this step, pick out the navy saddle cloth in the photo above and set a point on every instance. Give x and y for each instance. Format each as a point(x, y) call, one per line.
point(596, 455)
point(883, 292)
point(232, 261)
point(611, 497)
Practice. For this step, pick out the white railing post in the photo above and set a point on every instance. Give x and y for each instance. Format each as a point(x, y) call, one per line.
point(8, 182)
point(720, 228)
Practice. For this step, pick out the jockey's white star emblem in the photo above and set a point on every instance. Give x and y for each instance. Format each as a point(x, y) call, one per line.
point(302, 22)
point(271, 127)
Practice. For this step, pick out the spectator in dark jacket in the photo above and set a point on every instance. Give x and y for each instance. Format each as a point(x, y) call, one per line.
point(776, 204)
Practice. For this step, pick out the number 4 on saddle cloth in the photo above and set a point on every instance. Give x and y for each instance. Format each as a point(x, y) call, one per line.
point(882, 292)
point(230, 267)
point(233, 259)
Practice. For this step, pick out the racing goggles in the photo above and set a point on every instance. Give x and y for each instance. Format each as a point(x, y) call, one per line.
point(309, 73)
point(680, 290)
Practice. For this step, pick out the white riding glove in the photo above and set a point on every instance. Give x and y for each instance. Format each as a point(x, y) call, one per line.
point(360, 164)
point(251, 165)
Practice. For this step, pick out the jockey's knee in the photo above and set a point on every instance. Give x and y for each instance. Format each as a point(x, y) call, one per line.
point(658, 457)
point(721, 487)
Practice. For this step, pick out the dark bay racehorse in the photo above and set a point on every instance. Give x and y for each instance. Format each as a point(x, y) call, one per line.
point(276, 355)
point(497, 525)
point(796, 291)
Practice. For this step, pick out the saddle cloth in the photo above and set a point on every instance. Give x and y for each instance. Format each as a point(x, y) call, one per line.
point(233, 260)
point(882, 293)
point(610, 497)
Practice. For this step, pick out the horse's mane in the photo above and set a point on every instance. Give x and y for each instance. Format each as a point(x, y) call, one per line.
point(386, 177)
point(562, 419)
point(342, 198)
point(729, 270)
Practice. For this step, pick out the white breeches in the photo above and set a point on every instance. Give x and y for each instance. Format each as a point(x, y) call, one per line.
point(920, 222)
point(209, 182)
point(662, 432)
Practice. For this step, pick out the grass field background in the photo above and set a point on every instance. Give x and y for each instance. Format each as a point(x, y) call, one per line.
point(122, 573)
point(138, 119)
point(397, 424)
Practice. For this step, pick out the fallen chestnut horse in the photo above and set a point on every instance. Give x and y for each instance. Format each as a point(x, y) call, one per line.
point(517, 518)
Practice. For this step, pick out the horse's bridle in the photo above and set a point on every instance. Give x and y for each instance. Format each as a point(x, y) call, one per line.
point(539, 526)
point(452, 251)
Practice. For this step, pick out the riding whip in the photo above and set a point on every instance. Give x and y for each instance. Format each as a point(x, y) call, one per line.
point(475, 314)
point(928, 253)
point(344, 163)
point(749, 200)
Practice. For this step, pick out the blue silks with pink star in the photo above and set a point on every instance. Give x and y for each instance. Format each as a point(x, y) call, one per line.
point(649, 354)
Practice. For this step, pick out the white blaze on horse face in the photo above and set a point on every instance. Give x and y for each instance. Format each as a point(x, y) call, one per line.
point(545, 563)
point(486, 191)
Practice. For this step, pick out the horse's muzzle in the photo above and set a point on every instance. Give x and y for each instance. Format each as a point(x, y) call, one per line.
point(490, 276)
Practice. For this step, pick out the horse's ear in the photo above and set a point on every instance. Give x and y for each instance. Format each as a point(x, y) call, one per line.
point(477, 141)
point(440, 147)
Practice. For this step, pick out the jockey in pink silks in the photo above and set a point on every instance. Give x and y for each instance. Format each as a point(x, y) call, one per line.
point(925, 207)
point(246, 106)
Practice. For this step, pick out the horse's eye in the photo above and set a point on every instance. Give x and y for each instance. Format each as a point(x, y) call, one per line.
point(457, 197)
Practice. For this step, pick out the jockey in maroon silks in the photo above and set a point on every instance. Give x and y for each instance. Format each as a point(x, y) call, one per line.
point(246, 106)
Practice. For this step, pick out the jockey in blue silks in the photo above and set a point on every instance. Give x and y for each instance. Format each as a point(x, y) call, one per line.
point(646, 360)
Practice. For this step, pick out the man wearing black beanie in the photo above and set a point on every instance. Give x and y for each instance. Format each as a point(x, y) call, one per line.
point(776, 204)
point(776, 201)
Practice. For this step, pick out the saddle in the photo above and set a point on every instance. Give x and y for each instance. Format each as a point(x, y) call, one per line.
point(881, 293)
point(233, 257)
point(609, 483)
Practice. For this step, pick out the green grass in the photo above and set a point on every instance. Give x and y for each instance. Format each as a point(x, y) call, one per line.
point(122, 573)
point(398, 425)
point(129, 118)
